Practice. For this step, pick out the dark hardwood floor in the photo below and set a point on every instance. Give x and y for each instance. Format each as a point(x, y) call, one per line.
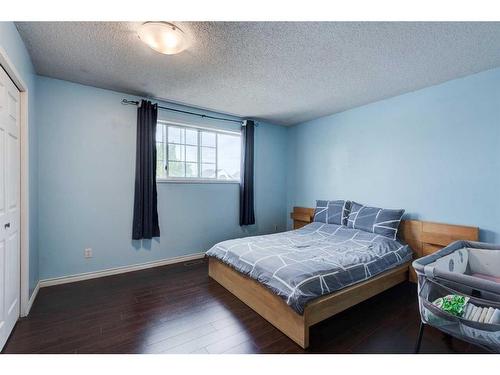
point(178, 309)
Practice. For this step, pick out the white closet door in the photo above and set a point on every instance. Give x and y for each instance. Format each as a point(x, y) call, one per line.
point(10, 269)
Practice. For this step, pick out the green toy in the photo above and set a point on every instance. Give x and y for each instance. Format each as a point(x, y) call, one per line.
point(453, 304)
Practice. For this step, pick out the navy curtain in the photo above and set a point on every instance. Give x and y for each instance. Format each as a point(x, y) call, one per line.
point(247, 216)
point(145, 225)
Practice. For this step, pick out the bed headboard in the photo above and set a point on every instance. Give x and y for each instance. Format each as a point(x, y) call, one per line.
point(301, 216)
point(424, 237)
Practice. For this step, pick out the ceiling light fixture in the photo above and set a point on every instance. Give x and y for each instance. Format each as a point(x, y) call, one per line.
point(163, 37)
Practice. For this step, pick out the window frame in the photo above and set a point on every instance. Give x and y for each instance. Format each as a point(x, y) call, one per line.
point(195, 180)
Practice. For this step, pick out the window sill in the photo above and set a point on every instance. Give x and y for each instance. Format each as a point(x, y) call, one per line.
point(194, 181)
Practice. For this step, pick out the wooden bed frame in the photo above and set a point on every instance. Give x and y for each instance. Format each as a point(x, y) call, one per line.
point(423, 237)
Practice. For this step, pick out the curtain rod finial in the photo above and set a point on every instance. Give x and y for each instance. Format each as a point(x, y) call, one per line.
point(125, 101)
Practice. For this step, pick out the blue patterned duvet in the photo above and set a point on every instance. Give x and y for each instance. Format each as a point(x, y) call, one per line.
point(318, 259)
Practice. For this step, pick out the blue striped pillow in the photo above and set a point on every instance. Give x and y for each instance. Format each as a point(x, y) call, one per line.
point(375, 220)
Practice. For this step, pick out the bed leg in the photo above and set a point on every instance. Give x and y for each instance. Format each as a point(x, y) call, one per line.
point(302, 339)
point(419, 339)
point(305, 344)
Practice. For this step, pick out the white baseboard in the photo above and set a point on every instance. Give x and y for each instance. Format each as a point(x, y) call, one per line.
point(117, 270)
point(31, 300)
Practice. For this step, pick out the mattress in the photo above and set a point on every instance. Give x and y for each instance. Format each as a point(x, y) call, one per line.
point(318, 259)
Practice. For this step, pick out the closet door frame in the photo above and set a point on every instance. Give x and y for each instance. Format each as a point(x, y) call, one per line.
point(14, 75)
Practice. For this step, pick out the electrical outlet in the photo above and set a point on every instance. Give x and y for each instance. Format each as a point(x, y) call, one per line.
point(87, 253)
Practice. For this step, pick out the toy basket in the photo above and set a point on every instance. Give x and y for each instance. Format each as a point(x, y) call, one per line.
point(463, 269)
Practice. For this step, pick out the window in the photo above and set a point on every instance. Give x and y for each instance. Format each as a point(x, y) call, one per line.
point(191, 153)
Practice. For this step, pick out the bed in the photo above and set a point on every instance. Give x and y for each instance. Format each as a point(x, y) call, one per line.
point(298, 278)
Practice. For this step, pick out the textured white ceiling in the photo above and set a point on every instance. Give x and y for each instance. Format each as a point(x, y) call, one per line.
point(282, 72)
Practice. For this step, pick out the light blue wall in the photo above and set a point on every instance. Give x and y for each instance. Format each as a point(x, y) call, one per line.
point(86, 159)
point(12, 43)
point(434, 152)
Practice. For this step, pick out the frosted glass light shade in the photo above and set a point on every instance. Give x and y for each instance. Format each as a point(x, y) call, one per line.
point(163, 37)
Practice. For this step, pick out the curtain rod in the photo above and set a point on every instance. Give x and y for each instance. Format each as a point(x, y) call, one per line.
point(136, 103)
